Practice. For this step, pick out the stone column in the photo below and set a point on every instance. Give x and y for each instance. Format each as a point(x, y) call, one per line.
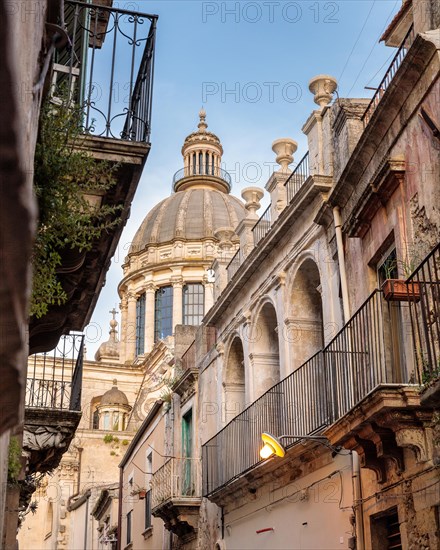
point(123, 342)
point(281, 299)
point(177, 283)
point(197, 162)
point(130, 331)
point(209, 295)
point(150, 293)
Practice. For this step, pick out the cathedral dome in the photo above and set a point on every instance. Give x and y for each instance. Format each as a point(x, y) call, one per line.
point(193, 214)
point(201, 203)
point(114, 396)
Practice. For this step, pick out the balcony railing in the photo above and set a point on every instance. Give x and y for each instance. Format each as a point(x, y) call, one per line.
point(178, 478)
point(389, 75)
point(233, 265)
point(370, 350)
point(107, 68)
point(55, 378)
point(425, 315)
point(203, 170)
point(262, 227)
point(298, 177)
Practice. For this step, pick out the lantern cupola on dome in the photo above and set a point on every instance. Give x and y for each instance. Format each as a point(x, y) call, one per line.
point(202, 155)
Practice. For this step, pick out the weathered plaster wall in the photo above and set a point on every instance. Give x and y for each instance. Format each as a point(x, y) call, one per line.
point(136, 469)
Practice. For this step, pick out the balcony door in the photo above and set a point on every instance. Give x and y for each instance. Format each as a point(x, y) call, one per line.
point(187, 453)
point(396, 315)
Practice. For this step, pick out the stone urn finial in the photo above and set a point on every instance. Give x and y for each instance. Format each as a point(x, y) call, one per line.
point(284, 149)
point(323, 87)
point(252, 196)
point(224, 235)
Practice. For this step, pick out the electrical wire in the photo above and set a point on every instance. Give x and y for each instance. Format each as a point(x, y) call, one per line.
point(372, 49)
point(281, 499)
point(381, 67)
point(357, 40)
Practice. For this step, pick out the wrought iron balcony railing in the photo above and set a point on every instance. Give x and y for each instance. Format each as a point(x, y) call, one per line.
point(262, 227)
point(202, 170)
point(178, 478)
point(55, 378)
point(297, 178)
point(389, 75)
point(425, 315)
point(374, 347)
point(233, 265)
point(107, 68)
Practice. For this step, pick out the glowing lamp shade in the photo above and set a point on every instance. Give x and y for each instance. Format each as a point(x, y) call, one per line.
point(271, 446)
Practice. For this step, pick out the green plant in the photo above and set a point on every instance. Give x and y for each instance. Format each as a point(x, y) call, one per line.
point(63, 176)
point(166, 395)
point(429, 375)
point(108, 438)
point(113, 453)
point(124, 442)
point(14, 460)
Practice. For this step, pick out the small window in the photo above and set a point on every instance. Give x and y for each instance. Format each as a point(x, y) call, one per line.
point(148, 522)
point(106, 421)
point(193, 303)
point(149, 469)
point(95, 420)
point(387, 267)
point(49, 521)
point(140, 325)
point(115, 421)
point(385, 531)
point(129, 526)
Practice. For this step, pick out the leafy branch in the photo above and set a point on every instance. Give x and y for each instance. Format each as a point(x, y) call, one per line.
point(63, 177)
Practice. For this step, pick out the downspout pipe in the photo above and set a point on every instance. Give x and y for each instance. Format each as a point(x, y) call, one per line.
point(357, 501)
point(341, 260)
point(119, 532)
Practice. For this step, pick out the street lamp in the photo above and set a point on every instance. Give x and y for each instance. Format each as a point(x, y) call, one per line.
point(273, 446)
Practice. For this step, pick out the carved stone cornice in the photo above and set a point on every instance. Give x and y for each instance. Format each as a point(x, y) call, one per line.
point(383, 184)
point(381, 426)
point(186, 386)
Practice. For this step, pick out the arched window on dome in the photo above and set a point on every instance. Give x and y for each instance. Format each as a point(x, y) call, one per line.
point(140, 325)
point(94, 413)
point(193, 303)
point(106, 421)
point(163, 313)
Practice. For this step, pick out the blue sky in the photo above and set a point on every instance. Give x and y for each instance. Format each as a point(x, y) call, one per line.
point(263, 54)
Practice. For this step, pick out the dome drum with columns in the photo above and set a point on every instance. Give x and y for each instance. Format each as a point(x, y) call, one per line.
point(165, 274)
point(113, 409)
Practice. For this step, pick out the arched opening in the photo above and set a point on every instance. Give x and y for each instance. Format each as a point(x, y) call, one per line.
point(265, 355)
point(48, 523)
point(234, 382)
point(94, 413)
point(308, 329)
